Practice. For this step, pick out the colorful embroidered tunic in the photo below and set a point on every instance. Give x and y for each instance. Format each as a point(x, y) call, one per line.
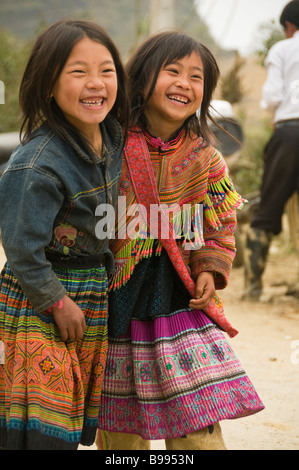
point(170, 370)
point(199, 178)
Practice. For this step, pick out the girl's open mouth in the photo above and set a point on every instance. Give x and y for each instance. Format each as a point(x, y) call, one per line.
point(178, 99)
point(91, 103)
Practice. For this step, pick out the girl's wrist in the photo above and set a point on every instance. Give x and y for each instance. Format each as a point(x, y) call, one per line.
point(58, 304)
point(212, 273)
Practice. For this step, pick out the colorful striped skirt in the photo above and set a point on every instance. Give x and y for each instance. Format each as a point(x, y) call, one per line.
point(50, 390)
point(171, 376)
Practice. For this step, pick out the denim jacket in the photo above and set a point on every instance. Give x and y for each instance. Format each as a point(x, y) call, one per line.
point(49, 193)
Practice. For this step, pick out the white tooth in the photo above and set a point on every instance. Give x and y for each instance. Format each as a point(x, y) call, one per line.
point(93, 102)
point(178, 98)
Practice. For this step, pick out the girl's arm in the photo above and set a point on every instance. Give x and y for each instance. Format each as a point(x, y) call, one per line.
point(30, 201)
point(205, 290)
point(220, 204)
point(70, 320)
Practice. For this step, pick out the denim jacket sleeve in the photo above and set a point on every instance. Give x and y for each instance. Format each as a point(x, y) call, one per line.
point(30, 200)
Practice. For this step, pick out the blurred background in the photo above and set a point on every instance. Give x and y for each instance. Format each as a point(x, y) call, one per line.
point(238, 32)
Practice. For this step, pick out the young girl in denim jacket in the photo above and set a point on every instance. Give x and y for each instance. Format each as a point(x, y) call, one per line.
point(53, 298)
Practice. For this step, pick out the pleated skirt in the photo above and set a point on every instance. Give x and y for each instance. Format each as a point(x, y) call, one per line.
point(171, 376)
point(50, 390)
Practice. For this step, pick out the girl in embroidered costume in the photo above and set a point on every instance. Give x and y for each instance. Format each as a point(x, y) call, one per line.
point(170, 372)
point(53, 291)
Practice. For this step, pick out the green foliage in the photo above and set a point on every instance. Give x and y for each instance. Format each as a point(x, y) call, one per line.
point(118, 17)
point(256, 135)
point(231, 87)
point(272, 34)
point(127, 21)
point(12, 62)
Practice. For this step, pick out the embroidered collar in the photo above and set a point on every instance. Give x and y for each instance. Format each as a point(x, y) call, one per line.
point(158, 143)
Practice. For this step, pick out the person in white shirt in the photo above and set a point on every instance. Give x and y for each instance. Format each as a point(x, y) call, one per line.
point(280, 95)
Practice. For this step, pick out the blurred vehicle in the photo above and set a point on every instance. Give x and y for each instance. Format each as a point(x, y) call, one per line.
point(230, 139)
point(8, 142)
point(230, 136)
point(229, 142)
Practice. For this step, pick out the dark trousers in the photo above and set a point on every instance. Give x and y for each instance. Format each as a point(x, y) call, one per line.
point(280, 178)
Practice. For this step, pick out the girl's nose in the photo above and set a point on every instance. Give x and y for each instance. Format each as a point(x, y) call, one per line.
point(95, 82)
point(183, 81)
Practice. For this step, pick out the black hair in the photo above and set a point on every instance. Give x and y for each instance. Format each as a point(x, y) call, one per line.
point(48, 57)
point(290, 13)
point(144, 66)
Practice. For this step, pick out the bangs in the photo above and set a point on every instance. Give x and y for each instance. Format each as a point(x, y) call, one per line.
point(157, 52)
point(167, 48)
point(177, 48)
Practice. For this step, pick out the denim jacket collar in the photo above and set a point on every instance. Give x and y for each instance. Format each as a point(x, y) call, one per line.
point(112, 138)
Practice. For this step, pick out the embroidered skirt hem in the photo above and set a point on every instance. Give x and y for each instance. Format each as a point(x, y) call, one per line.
point(172, 376)
point(49, 389)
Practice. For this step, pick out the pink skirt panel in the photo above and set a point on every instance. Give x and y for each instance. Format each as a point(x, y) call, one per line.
point(172, 376)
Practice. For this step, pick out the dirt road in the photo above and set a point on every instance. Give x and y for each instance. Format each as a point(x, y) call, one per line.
point(268, 347)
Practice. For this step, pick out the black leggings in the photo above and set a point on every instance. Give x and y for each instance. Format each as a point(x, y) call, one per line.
point(280, 178)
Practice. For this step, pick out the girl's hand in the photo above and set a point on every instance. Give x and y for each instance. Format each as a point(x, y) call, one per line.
point(205, 290)
point(69, 319)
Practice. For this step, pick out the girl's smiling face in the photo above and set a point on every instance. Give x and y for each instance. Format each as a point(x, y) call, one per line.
point(178, 94)
point(86, 89)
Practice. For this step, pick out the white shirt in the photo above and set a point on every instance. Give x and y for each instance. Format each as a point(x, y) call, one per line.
point(280, 92)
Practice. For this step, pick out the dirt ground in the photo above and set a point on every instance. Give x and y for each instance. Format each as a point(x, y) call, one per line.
point(268, 347)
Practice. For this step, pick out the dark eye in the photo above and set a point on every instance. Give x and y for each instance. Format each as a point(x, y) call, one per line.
point(109, 71)
point(198, 77)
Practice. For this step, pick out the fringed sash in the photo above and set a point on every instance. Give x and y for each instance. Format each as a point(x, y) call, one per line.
point(142, 176)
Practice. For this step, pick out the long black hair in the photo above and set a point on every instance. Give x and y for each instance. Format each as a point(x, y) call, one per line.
point(144, 66)
point(48, 57)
